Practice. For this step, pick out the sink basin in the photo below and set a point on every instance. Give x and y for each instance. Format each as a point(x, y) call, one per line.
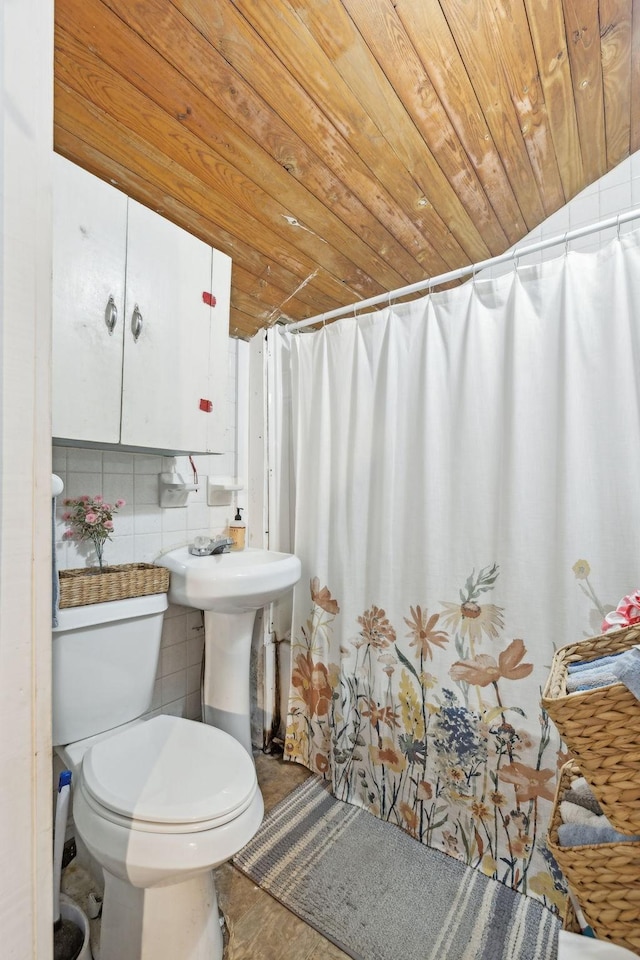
point(230, 582)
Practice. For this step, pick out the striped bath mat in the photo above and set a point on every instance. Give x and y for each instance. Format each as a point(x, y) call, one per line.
point(380, 895)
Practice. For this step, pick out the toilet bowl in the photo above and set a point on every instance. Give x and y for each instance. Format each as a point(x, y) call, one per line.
point(158, 802)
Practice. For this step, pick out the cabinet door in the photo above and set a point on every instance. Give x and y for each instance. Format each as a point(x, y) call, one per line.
point(89, 254)
point(219, 351)
point(167, 381)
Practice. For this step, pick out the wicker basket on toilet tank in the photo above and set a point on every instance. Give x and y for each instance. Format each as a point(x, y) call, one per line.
point(82, 586)
point(601, 727)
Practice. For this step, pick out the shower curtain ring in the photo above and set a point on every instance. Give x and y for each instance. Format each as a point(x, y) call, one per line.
point(516, 260)
point(618, 226)
point(566, 245)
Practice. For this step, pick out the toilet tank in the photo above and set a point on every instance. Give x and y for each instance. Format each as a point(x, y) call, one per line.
point(105, 657)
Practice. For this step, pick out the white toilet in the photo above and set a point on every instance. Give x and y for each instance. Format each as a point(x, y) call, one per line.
point(158, 802)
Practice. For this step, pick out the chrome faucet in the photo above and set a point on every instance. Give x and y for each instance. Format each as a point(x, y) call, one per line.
point(205, 547)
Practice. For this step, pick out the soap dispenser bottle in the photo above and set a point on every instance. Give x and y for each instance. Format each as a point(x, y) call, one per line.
point(238, 530)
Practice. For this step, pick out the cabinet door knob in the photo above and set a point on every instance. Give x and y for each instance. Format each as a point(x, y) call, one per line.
point(136, 323)
point(110, 314)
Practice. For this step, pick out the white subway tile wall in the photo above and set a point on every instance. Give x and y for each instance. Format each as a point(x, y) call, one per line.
point(143, 530)
point(615, 193)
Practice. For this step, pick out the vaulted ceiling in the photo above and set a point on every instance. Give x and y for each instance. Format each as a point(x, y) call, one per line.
point(338, 149)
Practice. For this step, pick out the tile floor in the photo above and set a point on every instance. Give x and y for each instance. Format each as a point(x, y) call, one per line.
point(258, 927)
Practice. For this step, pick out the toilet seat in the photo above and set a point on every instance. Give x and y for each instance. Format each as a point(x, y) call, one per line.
point(168, 775)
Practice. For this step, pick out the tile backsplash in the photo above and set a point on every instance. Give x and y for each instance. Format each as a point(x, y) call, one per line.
point(143, 530)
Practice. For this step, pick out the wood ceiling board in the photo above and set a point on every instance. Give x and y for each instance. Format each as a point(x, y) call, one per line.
point(388, 190)
point(405, 104)
point(615, 45)
point(582, 29)
point(192, 54)
point(546, 21)
point(73, 111)
point(512, 49)
point(338, 148)
point(134, 112)
point(362, 100)
point(354, 227)
point(474, 30)
point(430, 36)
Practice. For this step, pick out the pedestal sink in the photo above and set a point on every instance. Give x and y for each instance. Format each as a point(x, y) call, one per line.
point(230, 588)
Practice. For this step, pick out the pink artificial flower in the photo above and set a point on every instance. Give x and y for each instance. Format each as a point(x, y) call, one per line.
point(108, 524)
point(626, 613)
point(66, 515)
point(84, 498)
point(91, 517)
point(121, 503)
point(68, 535)
point(97, 499)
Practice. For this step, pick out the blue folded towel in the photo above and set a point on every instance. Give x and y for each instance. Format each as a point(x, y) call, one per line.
point(590, 679)
point(581, 834)
point(592, 664)
point(627, 670)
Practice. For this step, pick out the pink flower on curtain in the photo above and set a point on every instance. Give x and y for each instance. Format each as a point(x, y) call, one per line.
point(483, 669)
point(528, 782)
point(625, 615)
point(322, 597)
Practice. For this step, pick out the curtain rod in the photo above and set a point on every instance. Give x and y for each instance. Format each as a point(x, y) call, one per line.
point(473, 268)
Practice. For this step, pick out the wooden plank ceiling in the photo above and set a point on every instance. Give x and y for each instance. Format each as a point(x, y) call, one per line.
point(338, 149)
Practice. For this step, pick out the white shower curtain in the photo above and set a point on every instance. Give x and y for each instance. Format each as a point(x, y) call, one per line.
point(466, 475)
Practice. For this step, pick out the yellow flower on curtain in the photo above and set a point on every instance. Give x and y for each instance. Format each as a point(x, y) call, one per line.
point(410, 818)
point(489, 865)
point(542, 884)
point(296, 745)
point(411, 708)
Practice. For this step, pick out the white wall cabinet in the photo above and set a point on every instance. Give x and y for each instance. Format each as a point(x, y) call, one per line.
point(139, 356)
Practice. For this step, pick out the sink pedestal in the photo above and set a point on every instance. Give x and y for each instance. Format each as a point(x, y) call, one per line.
point(230, 588)
point(225, 686)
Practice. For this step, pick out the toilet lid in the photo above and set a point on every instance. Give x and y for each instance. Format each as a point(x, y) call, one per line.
point(171, 771)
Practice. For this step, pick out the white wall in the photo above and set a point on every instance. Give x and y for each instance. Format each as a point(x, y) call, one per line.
point(26, 65)
point(143, 529)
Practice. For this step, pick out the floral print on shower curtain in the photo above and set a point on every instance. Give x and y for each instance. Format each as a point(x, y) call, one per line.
point(448, 760)
point(454, 461)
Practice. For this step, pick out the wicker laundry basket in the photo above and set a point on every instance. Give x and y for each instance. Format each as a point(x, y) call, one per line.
point(82, 586)
point(601, 727)
point(570, 921)
point(605, 877)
